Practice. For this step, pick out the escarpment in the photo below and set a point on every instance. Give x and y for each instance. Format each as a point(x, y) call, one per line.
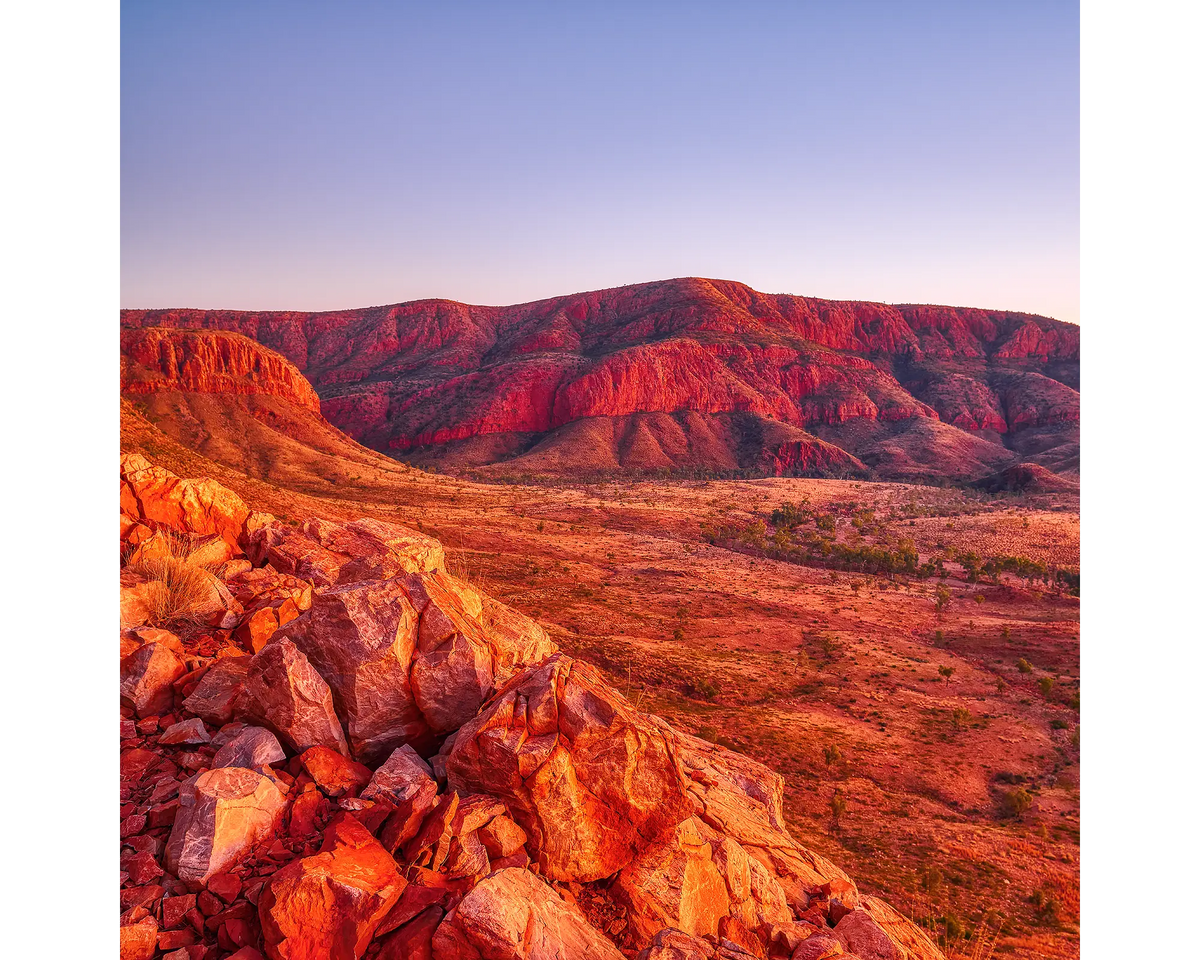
point(682, 374)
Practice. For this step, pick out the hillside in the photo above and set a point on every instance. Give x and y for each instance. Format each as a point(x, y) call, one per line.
point(686, 374)
point(333, 747)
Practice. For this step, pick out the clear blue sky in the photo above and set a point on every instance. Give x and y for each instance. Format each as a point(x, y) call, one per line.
point(321, 155)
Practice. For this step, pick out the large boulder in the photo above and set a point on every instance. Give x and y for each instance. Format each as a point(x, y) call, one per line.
point(150, 493)
point(327, 553)
point(592, 781)
point(674, 884)
point(223, 814)
point(283, 692)
point(410, 658)
point(512, 915)
point(741, 799)
point(696, 881)
point(251, 747)
point(361, 638)
point(328, 906)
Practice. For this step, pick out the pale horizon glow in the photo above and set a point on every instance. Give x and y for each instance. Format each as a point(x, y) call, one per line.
point(309, 157)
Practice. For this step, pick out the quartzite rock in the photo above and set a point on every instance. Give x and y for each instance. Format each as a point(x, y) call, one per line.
point(146, 678)
point(361, 638)
point(743, 800)
point(220, 818)
point(190, 506)
point(512, 915)
point(675, 884)
point(329, 553)
point(672, 944)
point(876, 931)
point(328, 906)
point(284, 693)
point(251, 747)
point(592, 781)
point(213, 699)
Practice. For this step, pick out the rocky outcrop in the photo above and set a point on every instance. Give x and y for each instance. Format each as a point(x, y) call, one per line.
point(494, 798)
point(590, 780)
point(410, 658)
point(659, 369)
point(152, 495)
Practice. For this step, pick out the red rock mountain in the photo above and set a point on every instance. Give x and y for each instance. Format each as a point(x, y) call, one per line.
point(686, 373)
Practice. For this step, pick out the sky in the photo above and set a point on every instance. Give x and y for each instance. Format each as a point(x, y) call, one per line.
point(315, 156)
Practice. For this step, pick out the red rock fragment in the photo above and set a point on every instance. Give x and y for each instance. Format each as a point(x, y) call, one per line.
point(174, 909)
point(413, 941)
point(146, 678)
point(329, 905)
point(139, 940)
point(334, 774)
point(225, 885)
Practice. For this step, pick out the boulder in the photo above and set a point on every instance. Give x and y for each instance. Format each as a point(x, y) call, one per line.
point(251, 747)
point(674, 884)
point(328, 553)
point(414, 940)
point(865, 930)
point(741, 799)
point(223, 814)
point(512, 915)
point(361, 638)
point(213, 699)
point(139, 939)
point(284, 693)
point(820, 946)
point(590, 780)
point(152, 494)
point(404, 781)
point(328, 906)
point(501, 837)
point(672, 944)
point(146, 678)
point(190, 731)
point(334, 774)
point(516, 641)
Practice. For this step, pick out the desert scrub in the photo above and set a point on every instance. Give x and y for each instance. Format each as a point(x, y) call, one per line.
point(1014, 803)
point(181, 585)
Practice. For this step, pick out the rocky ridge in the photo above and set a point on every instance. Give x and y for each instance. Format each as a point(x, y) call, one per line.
point(337, 749)
point(687, 373)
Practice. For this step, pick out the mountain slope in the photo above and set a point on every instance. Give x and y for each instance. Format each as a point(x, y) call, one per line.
point(687, 373)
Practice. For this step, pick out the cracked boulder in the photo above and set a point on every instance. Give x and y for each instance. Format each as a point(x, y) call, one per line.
point(223, 814)
point(512, 915)
point(592, 781)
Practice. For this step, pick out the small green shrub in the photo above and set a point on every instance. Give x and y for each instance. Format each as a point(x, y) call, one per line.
point(1014, 803)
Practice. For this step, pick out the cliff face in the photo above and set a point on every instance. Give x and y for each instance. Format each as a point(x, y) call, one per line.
point(159, 359)
point(419, 379)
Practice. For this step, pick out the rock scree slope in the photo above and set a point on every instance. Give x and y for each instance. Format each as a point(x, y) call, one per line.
point(392, 764)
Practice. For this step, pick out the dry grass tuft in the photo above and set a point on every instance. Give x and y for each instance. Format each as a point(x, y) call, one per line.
point(182, 586)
